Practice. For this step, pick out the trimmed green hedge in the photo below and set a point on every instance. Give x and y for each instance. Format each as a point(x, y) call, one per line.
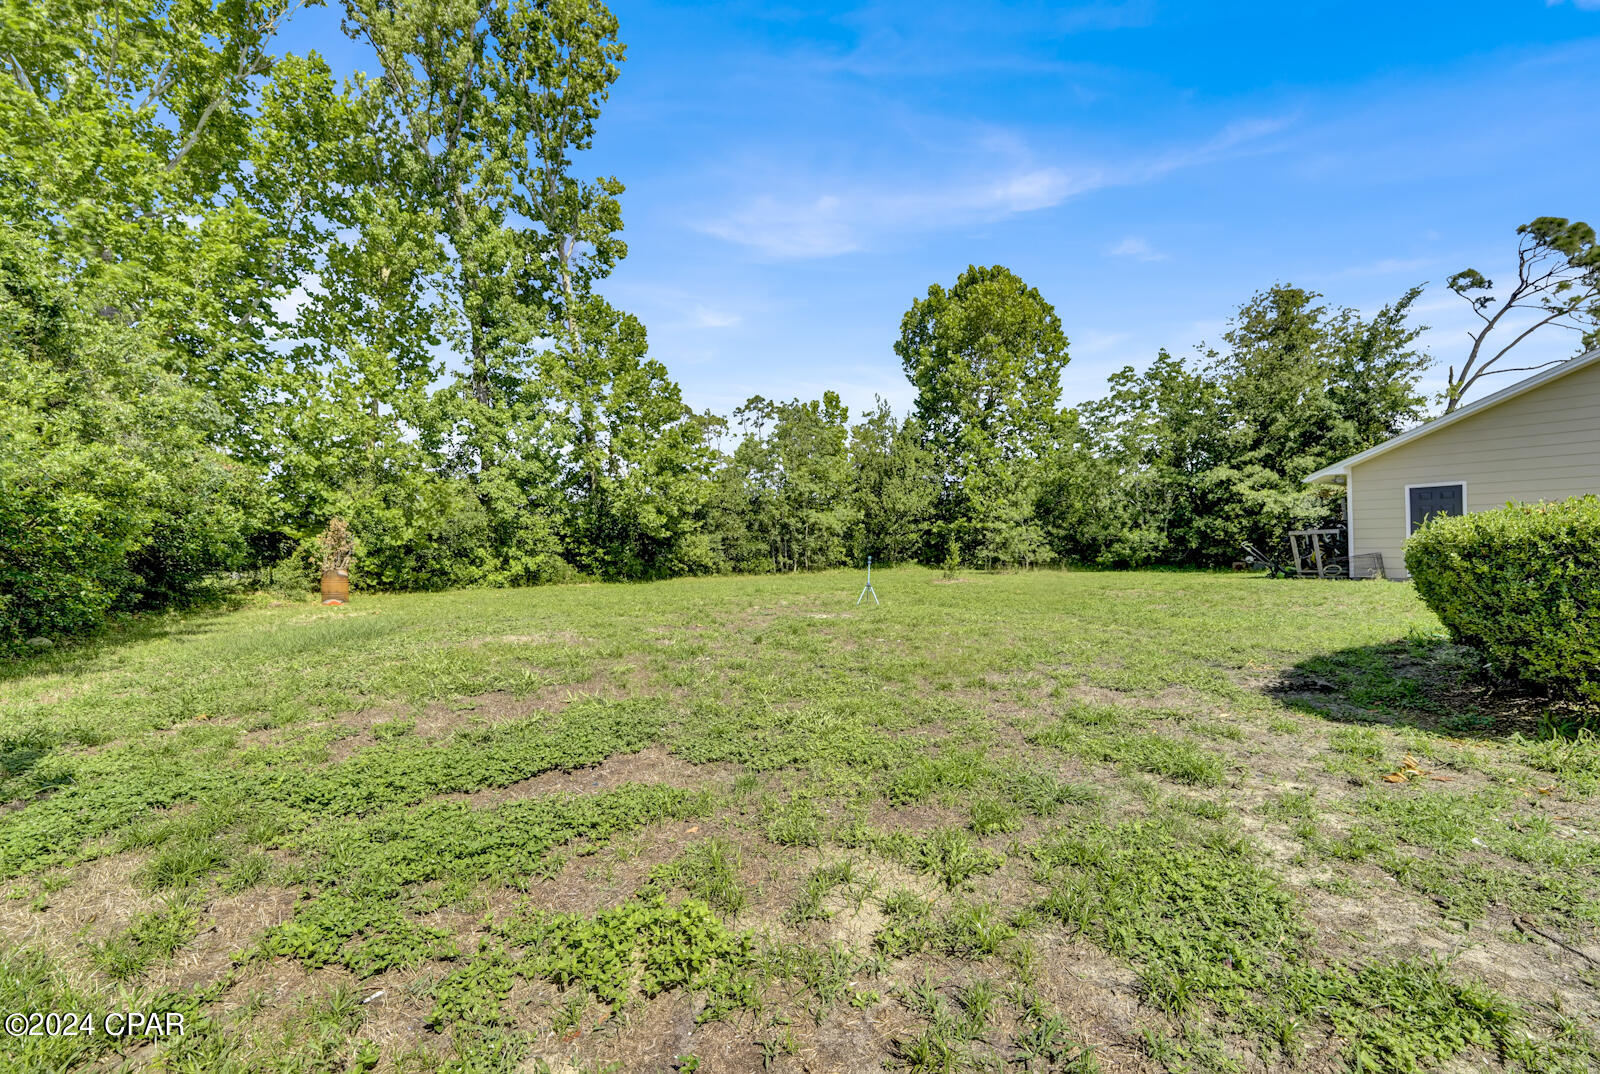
point(1522, 585)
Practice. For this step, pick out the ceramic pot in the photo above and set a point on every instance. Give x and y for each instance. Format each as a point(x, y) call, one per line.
point(335, 587)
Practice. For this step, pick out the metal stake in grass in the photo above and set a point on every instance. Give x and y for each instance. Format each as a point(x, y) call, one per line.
point(869, 588)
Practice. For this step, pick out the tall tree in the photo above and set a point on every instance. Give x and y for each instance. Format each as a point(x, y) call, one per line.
point(484, 105)
point(985, 357)
point(1375, 371)
point(139, 282)
point(892, 485)
point(1161, 431)
point(1557, 284)
point(128, 136)
point(785, 488)
point(638, 459)
point(1210, 453)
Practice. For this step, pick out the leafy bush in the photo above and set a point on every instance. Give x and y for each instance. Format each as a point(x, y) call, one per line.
point(111, 498)
point(1522, 585)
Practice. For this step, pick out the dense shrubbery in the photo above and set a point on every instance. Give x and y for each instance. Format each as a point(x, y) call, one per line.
point(110, 499)
point(1522, 585)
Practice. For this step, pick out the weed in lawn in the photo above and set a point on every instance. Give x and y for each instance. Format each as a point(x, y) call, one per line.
point(821, 883)
point(1094, 733)
point(910, 924)
point(947, 853)
point(990, 815)
point(153, 937)
point(826, 974)
point(708, 870)
point(1572, 756)
point(784, 1044)
point(980, 1001)
point(1293, 805)
point(1361, 744)
point(1036, 790)
point(647, 944)
point(569, 1014)
point(796, 822)
point(930, 1052)
point(473, 995)
point(1044, 1038)
point(388, 730)
point(178, 865)
point(925, 777)
point(974, 930)
point(246, 873)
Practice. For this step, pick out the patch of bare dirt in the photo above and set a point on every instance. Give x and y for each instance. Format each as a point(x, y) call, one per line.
point(1176, 698)
point(100, 901)
point(104, 899)
point(557, 637)
point(1397, 923)
point(439, 719)
point(1384, 919)
point(1100, 999)
point(228, 925)
point(442, 717)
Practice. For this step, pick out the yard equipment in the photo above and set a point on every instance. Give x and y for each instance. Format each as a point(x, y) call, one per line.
point(1321, 553)
point(1254, 557)
point(869, 588)
point(1316, 553)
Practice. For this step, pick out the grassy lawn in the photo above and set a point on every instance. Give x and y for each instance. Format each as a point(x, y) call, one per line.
point(1049, 821)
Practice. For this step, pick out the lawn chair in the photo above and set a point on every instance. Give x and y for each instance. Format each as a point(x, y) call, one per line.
point(1254, 558)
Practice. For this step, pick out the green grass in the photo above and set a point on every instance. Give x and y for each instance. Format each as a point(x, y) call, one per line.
point(544, 823)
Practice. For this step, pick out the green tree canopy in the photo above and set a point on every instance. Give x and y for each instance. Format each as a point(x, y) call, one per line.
point(986, 357)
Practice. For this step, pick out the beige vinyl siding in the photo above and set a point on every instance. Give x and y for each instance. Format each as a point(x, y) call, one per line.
point(1541, 445)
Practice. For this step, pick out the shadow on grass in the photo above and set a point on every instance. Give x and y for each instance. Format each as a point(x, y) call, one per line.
point(1427, 682)
point(69, 656)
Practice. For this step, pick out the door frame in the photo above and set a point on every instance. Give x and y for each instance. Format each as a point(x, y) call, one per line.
point(1429, 485)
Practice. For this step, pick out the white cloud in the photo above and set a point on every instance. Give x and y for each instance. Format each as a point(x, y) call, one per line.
point(1581, 5)
point(1093, 342)
point(288, 306)
point(1388, 266)
point(1136, 248)
point(840, 223)
point(1238, 135)
point(704, 317)
point(1041, 188)
point(813, 227)
point(807, 223)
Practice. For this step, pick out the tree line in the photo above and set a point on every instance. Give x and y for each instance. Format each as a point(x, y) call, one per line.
point(240, 297)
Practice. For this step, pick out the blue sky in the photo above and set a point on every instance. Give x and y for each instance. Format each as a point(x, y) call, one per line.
point(798, 174)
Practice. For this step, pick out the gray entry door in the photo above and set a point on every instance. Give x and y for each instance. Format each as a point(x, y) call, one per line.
point(1429, 500)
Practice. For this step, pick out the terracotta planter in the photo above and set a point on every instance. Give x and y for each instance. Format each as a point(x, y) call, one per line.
point(335, 587)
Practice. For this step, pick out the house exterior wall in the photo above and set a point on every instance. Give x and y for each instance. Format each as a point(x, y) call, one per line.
point(1541, 445)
